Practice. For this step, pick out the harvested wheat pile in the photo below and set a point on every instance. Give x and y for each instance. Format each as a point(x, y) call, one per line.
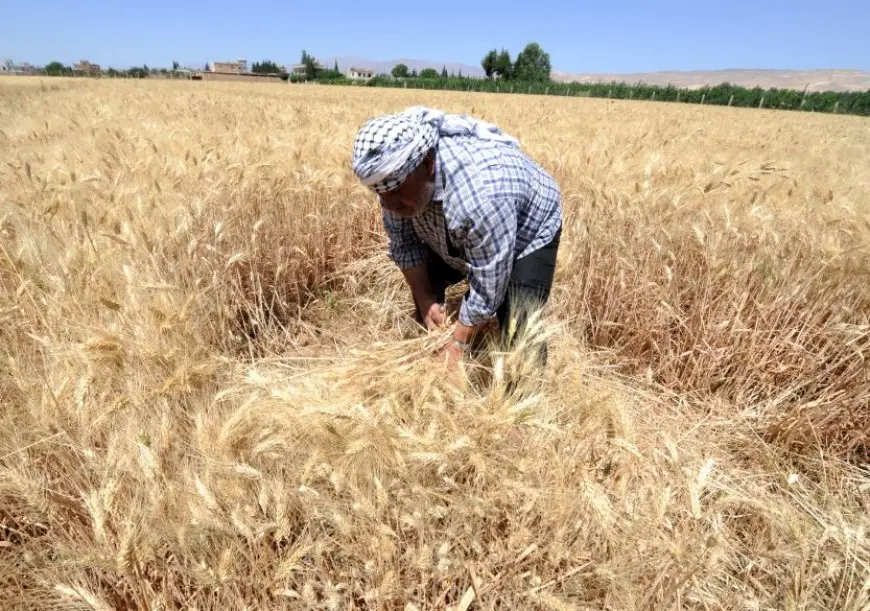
point(213, 397)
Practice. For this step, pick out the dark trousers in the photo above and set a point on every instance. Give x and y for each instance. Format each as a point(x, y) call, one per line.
point(528, 288)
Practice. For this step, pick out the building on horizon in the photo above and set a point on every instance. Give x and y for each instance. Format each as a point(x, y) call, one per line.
point(359, 74)
point(301, 71)
point(86, 68)
point(235, 67)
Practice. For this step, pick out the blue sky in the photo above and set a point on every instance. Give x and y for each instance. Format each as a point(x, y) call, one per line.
point(581, 36)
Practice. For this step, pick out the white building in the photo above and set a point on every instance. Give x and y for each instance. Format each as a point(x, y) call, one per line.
point(6, 66)
point(359, 74)
point(301, 69)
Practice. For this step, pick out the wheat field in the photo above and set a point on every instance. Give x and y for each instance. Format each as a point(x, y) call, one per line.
point(213, 395)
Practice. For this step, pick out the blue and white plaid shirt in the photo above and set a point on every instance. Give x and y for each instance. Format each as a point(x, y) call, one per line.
point(495, 204)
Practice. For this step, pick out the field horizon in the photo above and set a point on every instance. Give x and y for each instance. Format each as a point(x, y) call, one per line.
point(215, 397)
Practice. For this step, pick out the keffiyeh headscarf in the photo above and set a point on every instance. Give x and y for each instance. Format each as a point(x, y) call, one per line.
point(388, 148)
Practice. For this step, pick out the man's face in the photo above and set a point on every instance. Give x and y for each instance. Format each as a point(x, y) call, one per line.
point(413, 196)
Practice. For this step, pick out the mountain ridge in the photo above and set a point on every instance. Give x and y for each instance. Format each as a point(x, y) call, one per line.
point(834, 79)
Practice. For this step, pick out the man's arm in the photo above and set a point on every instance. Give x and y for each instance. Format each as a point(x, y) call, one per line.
point(410, 254)
point(490, 249)
point(490, 245)
point(417, 278)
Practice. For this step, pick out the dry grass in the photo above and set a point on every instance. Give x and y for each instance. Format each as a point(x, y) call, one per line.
point(213, 398)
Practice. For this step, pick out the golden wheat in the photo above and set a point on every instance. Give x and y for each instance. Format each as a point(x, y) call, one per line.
point(213, 396)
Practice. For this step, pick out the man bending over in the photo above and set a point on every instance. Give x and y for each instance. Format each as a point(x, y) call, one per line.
point(461, 200)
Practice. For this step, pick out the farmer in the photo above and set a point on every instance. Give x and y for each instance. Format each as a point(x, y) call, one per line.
point(461, 200)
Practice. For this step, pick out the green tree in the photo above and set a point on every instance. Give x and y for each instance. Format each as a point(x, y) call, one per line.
point(503, 66)
point(429, 73)
point(414, 73)
point(137, 72)
point(400, 71)
point(444, 72)
point(532, 64)
point(310, 65)
point(488, 63)
point(56, 69)
point(329, 75)
point(174, 65)
point(335, 68)
point(266, 66)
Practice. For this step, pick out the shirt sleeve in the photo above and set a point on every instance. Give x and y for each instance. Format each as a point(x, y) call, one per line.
point(406, 248)
point(490, 244)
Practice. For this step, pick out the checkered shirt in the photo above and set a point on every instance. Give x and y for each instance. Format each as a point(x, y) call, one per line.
point(495, 204)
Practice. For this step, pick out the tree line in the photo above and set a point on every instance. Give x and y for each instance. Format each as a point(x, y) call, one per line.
point(267, 66)
point(56, 68)
point(725, 94)
point(402, 71)
point(532, 65)
point(530, 74)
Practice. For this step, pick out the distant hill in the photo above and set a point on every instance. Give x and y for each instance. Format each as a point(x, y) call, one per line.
point(812, 80)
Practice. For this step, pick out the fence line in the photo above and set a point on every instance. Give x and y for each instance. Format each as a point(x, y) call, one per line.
point(857, 103)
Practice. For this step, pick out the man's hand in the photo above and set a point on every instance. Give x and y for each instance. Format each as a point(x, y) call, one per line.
point(453, 354)
point(454, 351)
point(435, 316)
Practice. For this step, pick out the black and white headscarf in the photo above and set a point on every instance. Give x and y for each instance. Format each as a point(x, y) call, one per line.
point(388, 148)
